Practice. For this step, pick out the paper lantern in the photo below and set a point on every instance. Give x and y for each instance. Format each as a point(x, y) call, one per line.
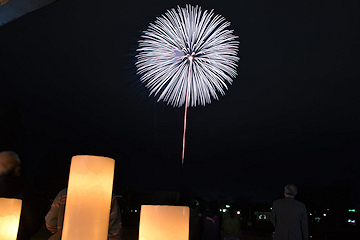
point(88, 201)
point(164, 223)
point(9, 218)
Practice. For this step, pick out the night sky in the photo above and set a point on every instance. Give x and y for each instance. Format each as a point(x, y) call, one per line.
point(68, 86)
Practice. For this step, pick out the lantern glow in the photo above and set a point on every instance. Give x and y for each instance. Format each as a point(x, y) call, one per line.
point(10, 210)
point(88, 202)
point(164, 222)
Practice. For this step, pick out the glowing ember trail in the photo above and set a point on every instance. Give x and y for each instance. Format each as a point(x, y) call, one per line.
point(186, 104)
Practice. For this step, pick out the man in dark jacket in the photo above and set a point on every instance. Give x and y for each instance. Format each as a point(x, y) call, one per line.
point(289, 217)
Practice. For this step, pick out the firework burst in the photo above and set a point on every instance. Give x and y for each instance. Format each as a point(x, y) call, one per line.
point(187, 56)
point(187, 51)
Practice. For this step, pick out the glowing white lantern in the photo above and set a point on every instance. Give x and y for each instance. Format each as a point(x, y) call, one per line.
point(88, 201)
point(10, 210)
point(164, 223)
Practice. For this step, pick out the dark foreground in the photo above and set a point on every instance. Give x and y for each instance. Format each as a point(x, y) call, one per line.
point(131, 233)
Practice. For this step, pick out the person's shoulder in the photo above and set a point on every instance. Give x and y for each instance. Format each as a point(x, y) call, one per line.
point(276, 204)
point(299, 203)
point(62, 193)
point(279, 200)
point(282, 201)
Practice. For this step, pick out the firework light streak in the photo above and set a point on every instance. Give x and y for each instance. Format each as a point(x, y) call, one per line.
point(187, 56)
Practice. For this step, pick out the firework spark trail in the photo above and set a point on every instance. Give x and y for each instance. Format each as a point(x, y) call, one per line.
point(185, 114)
point(187, 56)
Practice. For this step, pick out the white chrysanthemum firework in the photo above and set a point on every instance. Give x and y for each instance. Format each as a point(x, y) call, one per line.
point(187, 56)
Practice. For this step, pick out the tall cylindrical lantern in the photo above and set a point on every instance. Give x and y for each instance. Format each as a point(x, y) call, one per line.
point(164, 223)
point(88, 200)
point(10, 210)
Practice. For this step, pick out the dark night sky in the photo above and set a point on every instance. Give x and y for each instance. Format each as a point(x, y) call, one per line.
point(292, 115)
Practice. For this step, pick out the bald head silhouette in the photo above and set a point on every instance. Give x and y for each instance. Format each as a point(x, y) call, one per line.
point(9, 164)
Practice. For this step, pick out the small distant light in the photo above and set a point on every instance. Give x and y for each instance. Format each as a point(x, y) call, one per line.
point(224, 210)
point(310, 214)
point(351, 221)
point(238, 212)
point(227, 206)
point(351, 210)
point(328, 209)
point(271, 208)
point(324, 214)
point(135, 210)
point(310, 236)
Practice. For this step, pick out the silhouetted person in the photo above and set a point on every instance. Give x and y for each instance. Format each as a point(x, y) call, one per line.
point(230, 225)
point(55, 218)
point(11, 187)
point(211, 222)
point(289, 217)
point(195, 221)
